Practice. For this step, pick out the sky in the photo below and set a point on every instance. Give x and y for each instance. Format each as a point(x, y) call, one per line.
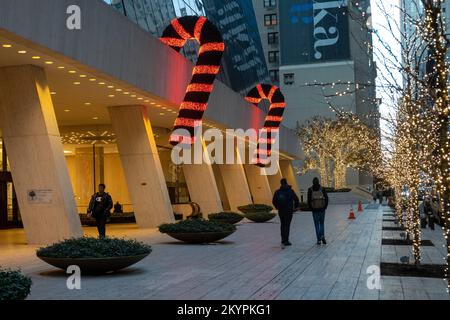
point(380, 24)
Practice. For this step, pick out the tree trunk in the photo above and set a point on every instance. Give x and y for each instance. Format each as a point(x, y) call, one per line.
point(339, 175)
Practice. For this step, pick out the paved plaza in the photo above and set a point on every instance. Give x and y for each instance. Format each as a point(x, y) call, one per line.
point(250, 264)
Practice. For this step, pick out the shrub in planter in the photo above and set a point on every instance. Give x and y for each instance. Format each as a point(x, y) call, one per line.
point(255, 208)
point(198, 230)
point(14, 285)
point(94, 255)
point(260, 216)
point(226, 217)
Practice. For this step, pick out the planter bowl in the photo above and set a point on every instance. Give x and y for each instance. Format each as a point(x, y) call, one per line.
point(200, 237)
point(229, 220)
point(95, 265)
point(260, 217)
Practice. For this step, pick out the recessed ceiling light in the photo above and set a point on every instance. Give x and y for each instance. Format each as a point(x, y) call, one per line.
point(152, 103)
point(118, 90)
point(67, 110)
point(158, 105)
point(140, 98)
point(110, 87)
point(133, 96)
point(126, 92)
point(7, 46)
point(83, 76)
point(101, 83)
point(48, 62)
point(87, 103)
point(53, 92)
point(21, 52)
point(61, 67)
point(147, 101)
point(35, 57)
point(161, 113)
point(95, 118)
point(77, 83)
point(72, 71)
point(92, 79)
point(111, 96)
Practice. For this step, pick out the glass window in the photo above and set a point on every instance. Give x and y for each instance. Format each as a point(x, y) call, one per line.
point(270, 19)
point(289, 79)
point(270, 3)
point(272, 38)
point(274, 56)
point(274, 75)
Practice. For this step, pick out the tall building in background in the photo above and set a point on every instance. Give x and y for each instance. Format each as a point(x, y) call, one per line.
point(267, 14)
point(307, 42)
point(243, 65)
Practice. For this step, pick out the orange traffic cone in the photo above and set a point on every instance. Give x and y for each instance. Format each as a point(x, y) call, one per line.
point(360, 209)
point(351, 214)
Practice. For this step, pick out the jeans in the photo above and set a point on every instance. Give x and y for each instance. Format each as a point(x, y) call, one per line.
point(101, 226)
point(319, 223)
point(285, 225)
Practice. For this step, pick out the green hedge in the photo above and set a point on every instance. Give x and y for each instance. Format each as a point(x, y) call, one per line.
point(255, 208)
point(196, 226)
point(14, 285)
point(88, 247)
point(227, 217)
point(260, 216)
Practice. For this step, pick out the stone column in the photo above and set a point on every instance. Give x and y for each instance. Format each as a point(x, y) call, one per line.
point(274, 180)
point(287, 170)
point(258, 184)
point(141, 164)
point(36, 156)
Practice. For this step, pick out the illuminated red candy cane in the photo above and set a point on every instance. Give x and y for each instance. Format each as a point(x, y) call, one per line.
point(272, 121)
point(210, 54)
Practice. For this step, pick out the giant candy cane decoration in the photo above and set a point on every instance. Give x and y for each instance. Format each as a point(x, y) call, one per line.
point(272, 121)
point(208, 65)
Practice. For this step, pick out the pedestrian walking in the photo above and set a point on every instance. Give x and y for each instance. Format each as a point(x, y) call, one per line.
point(285, 201)
point(318, 203)
point(99, 207)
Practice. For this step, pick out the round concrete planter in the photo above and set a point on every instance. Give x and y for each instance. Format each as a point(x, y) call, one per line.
point(200, 237)
point(231, 220)
point(95, 265)
point(260, 217)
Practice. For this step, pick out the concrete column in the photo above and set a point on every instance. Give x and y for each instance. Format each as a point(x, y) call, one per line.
point(274, 180)
point(287, 170)
point(202, 187)
point(36, 156)
point(141, 164)
point(235, 182)
point(258, 184)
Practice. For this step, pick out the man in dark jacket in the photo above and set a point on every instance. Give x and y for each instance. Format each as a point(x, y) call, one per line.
point(285, 201)
point(99, 207)
point(318, 203)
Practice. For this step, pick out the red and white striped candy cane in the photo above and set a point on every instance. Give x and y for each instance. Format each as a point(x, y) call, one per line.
point(210, 54)
point(272, 121)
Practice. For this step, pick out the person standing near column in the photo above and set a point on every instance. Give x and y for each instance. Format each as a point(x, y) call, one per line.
point(99, 207)
point(285, 201)
point(318, 203)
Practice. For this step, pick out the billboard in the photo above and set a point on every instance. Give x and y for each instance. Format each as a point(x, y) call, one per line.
point(314, 31)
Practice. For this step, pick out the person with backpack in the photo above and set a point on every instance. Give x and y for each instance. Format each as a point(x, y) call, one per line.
point(99, 207)
point(318, 203)
point(285, 201)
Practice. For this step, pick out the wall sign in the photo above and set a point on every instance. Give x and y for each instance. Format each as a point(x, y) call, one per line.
point(40, 196)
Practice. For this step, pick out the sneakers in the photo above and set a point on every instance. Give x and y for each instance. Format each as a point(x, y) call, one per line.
point(319, 242)
point(324, 241)
point(287, 243)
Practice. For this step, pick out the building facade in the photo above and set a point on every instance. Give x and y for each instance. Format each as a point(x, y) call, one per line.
point(81, 106)
point(325, 59)
point(243, 65)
